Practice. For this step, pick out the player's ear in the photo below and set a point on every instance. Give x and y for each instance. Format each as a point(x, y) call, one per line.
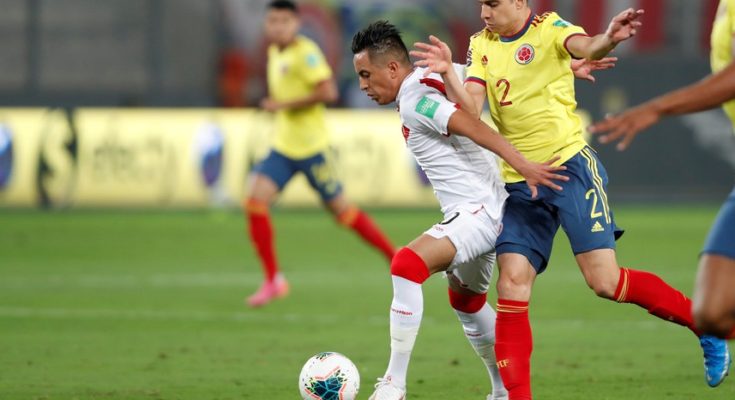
point(393, 67)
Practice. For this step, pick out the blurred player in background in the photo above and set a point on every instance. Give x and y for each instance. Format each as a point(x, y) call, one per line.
point(448, 145)
point(520, 62)
point(714, 296)
point(299, 83)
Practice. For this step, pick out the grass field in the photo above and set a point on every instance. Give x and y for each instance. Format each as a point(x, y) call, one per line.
point(143, 305)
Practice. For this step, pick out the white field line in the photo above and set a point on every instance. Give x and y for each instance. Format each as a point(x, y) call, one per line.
point(291, 318)
point(240, 280)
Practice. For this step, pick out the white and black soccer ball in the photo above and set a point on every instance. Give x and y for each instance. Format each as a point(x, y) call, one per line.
point(329, 376)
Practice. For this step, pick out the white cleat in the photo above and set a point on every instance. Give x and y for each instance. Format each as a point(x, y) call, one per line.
point(386, 390)
point(498, 396)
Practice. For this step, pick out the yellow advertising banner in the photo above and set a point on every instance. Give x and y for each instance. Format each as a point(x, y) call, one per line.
point(35, 161)
point(190, 158)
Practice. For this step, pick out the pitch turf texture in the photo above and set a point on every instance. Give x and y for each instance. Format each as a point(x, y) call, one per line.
point(141, 305)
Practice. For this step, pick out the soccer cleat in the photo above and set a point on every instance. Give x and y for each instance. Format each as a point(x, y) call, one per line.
point(498, 396)
point(386, 390)
point(716, 359)
point(269, 291)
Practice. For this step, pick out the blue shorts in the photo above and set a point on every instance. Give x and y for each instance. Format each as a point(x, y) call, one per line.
point(317, 169)
point(529, 225)
point(721, 238)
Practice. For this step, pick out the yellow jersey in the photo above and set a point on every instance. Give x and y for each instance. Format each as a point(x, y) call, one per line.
point(530, 87)
point(721, 54)
point(293, 73)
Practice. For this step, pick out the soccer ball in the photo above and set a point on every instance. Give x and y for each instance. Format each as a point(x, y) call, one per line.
point(329, 376)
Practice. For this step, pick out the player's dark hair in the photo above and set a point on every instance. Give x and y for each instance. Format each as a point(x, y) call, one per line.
point(283, 5)
point(381, 38)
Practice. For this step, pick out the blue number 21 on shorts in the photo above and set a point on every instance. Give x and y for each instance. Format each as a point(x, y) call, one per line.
point(529, 225)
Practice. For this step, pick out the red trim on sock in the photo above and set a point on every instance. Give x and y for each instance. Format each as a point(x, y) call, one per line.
point(652, 293)
point(261, 234)
point(369, 231)
point(513, 347)
point(467, 303)
point(408, 265)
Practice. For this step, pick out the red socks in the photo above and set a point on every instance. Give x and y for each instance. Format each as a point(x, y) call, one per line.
point(261, 233)
point(366, 228)
point(652, 293)
point(513, 347)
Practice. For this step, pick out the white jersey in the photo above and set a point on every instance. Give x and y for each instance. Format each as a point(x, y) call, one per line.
point(460, 171)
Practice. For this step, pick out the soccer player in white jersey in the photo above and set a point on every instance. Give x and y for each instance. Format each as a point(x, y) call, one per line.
point(448, 145)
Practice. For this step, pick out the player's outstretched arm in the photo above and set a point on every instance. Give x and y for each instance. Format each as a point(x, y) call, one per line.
point(324, 92)
point(622, 27)
point(703, 95)
point(462, 123)
point(436, 56)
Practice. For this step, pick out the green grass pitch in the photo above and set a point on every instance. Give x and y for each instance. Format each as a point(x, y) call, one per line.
point(149, 305)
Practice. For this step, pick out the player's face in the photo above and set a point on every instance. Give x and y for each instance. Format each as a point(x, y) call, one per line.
point(281, 26)
point(503, 16)
point(377, 80)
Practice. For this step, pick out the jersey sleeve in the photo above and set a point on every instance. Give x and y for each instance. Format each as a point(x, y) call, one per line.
point(474, 70)
point(428, 112)
point(560, 31)
point(315, 67)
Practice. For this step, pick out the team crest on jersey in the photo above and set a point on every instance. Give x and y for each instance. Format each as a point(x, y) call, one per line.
point(525, 54)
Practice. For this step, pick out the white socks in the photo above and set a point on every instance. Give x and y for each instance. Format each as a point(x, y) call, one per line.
point(480, 331)
point(405, 319)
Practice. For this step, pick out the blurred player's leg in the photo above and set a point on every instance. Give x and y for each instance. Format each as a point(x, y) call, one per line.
point(268, 178)
point(357, 220)
point(321, 177)
point(410, 268)
point(478, 322)
point(714, 297)
point(513, 337)
point(261, 233)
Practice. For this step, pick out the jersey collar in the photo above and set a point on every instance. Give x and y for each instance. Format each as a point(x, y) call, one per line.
point(520, 33)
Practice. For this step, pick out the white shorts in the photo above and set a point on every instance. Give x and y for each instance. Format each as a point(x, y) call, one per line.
point(473, 232)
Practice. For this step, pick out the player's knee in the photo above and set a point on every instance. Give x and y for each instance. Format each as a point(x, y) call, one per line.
point(713, 321)
point(346, 216)
point(604, 288)
point(515, 286)
point(466, 301)
point(408, 265)
point(253, 205)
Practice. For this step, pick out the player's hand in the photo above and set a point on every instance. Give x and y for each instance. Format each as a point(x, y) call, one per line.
point(624, 25)
point(270, 105)
point(435, 56)
point(583, 68)
point(543, 174)
point(625, 126)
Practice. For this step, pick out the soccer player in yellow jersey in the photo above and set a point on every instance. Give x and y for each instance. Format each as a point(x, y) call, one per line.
point(299, 83)
point(714, 296)
point(520, 63)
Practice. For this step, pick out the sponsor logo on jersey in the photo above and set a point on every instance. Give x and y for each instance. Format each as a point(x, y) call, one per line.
point(597, 227)
point(427, 107)
point(6, 155)
point(525, 54)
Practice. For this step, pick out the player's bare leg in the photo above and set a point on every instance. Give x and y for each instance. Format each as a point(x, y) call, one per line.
point(478, 322)
point(714, 297)
point(513, 338)
point(410, 268)
point(263, 191)
point(352, 217)
point(601, 271)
